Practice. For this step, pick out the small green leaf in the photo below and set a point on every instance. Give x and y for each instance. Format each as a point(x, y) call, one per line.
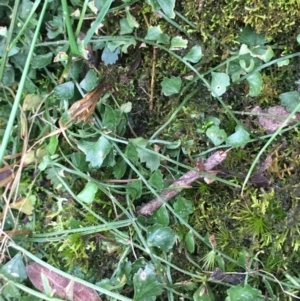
point(131, 152)
point(249, 37)
point(95, 151)
point(264, 53)
point(216, 135)
point(239, 138)
point(194, 55)
point(161, 216)
point(43, 60)
point(219, 82)
point(152, 160)
point(130, 19)
point(290, 100)
point(126, 107)
point(134, 189)
point(119, 169)
point(15, 269)
point(64, 91)
point(190, 242)
point(171, 85)
point(298, 38)
point(109, 120)
point(55, 27)
point(110, 57)
point(255, 82)
point(283, 63)
point(160, 236)
point(146, 285)
point(156, 180)
point(153, 33)
point(90, 81)
point(9, 76)
point(247, 68)
point(52, 145)
point(244, 293)
point(78, 159)
point(168, 7)
point(243, 258)
point(178, 43)
point(125, 27)
point(183, 207)
point(87, 195)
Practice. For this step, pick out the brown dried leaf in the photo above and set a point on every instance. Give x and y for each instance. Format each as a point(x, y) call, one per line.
point(266, 164)
point(60, 285)
point(82, 109)
point(259, 180)
point(6, 175)
point(272, 123)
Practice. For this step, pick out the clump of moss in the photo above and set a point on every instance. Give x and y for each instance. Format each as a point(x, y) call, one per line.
point(223, 19)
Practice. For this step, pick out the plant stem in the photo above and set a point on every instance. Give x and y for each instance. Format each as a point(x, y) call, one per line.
point(10, 123)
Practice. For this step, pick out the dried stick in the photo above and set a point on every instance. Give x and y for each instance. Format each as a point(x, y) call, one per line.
point(187, 179)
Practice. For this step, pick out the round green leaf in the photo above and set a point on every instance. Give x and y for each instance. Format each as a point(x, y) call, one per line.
point(161, 216)
point(40, 61)
point(178, 43)
point(90, 81)
point(290, 100)
point(162, 237)
point(239, 138)
point(125, 27)
point(194, 55)
point(110, 57)
point(216, 135)
point(255, 82)
point(219, 82)
point(146, 284)
point(246, 293)
point(168, 7)
point(15, 269)
point(87, 195)
point(64, 91)
point(171, 85)
point(95, 152)
point(153, 33)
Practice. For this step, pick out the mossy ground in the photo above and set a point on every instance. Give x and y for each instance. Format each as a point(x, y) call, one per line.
point(262, 220)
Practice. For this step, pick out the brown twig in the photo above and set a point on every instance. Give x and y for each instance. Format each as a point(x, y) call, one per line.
point(187, 179)
point(152, 78)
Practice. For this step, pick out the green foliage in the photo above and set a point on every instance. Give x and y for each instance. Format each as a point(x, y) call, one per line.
point(168, 91)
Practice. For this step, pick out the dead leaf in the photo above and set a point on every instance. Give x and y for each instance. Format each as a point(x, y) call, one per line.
point(272, 123)
point(6, 175)
point(24, 205)
point(259, 180)
point(266, 164)
point(31, 102)
point(82, 109)
point(60, 285)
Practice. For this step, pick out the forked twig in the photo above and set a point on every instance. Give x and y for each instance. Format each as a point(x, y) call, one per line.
point(187, 179)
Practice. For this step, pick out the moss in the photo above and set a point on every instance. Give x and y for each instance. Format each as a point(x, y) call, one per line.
point(223, 19)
